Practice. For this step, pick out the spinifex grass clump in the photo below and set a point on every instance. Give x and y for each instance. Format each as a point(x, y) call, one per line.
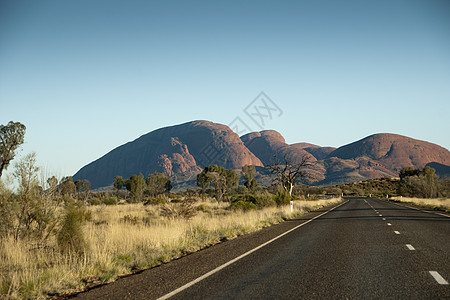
point(70, 237)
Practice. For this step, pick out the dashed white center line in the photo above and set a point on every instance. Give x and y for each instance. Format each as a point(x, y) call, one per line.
point(396, 232)
point(410, 247)
point(438, 277)
point(389, 224)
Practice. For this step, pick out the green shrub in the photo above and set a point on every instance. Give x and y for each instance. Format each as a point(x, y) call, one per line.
point(243, 205)
point(245, 198)
point(203, 208)
point(110, 200)
point(95, 201)
point(185, 209)
point(282, 198)
point(160, 199)
point(264, 199)
point(243, 202)
point(70, 237)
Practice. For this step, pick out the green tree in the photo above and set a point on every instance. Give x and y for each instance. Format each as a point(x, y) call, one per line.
point(249, 173)
point(409, 171)
point(222, 179)
point(136, 186)
point(158, 183)
point(67, 186)
point(11, 137)
point(118, 183)
point(33, 214)
point(52, 183)
point(418, 183)
point(79, 186)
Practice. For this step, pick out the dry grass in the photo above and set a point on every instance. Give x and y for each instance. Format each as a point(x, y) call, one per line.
point(435, 203)
point(125, 238)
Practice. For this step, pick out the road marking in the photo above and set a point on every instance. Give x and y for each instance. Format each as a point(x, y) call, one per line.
point(429, 212)
point(396, 232)
point(206, 275)
point(389, 224)
point(436, 213)
point(438, 277)
point(410, 247)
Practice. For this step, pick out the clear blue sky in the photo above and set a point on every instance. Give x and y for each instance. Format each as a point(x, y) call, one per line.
point(86, 76)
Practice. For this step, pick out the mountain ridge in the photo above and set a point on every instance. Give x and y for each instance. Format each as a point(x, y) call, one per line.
point(183, 150)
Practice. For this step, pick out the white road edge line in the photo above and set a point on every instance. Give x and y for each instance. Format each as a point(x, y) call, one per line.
point(429, 212)
point(410, 247)
point(396, 232)
point(206, 275)
point(438, 277)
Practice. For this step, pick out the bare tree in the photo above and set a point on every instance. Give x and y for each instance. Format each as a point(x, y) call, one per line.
point(288, 172)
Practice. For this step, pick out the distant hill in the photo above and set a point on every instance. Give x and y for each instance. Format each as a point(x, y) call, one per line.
point(268, 143)
point(442, 170)
point(384, 155)
point(182, 151)
point(176, 150)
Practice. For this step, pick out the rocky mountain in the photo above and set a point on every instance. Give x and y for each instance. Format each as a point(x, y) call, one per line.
point(381, 155)
point(176, 150)
point(269, 143)
point(182, 151)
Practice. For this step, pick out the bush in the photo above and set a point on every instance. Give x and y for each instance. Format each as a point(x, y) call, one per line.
point(282, 198)
point(245, 197)
point(243, 202)
point(264, 199)
point(110, 200)
point(418, 183)
point(243, 205)
point(160, 199)
point(95, 201)
point(185, 209)
point(70, 237)
point(203, 208)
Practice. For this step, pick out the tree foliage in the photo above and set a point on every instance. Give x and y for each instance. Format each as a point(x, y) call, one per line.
point(418, 183)
point(136, 185)
point(158, 183)
point(249, 173)
point(32, 211)
point(11, 137)
point(118, 183)
point(222, 179)
point(67, 186)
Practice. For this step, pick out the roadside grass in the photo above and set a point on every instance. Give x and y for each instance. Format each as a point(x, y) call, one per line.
point(125, 238)
point(442, 204)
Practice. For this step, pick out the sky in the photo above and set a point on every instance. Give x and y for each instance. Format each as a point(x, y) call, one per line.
point(87, 76)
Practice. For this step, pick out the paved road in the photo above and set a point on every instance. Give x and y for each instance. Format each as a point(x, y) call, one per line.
point(363, 249)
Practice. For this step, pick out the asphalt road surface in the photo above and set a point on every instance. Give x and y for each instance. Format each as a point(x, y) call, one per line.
point(363, 248)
